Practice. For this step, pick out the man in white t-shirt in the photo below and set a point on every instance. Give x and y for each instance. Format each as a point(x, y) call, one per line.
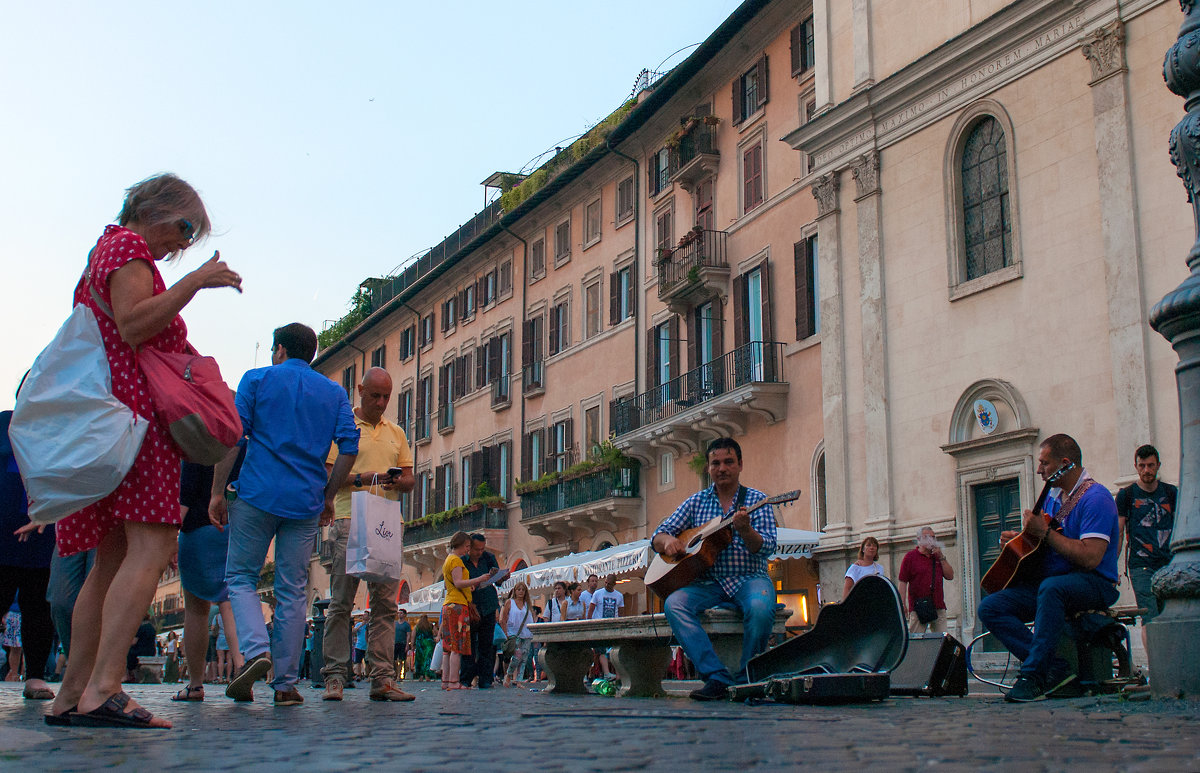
point(606, 602)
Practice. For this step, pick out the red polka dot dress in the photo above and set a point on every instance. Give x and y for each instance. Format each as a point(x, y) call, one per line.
point(150, 492)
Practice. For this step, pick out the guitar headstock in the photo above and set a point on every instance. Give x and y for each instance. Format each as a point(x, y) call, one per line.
point(784, 498)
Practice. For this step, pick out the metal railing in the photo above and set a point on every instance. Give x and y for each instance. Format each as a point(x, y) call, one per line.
point(602, 484)
point(487, 518)
point(533, 377)
point(706, 251)
point(702, 139)
point(755, 362)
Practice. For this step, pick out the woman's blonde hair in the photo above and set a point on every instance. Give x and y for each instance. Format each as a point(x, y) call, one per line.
point(164, 198)
point(512, 594)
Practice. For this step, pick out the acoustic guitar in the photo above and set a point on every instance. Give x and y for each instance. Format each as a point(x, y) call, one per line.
point(702, 544)
point(1021, 558)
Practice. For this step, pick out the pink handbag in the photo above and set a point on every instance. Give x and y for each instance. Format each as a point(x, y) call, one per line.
point(193, 402)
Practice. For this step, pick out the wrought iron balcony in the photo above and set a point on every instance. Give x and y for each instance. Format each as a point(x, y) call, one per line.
point(533, 378)
point(425, 546)
point(717, 398)
point(696, 157)
point(569, 510)
point(693, 271)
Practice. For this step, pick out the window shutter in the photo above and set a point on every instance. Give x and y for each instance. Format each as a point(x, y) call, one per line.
point(738, 111)
point(418, 498)
point(614, 302)
point(768, 328)
point(804, 291)
point(443, 387)
point(569, 424)
point(493, 468)
point(537, 323)
point(652, 358)
point(439, 487)
point(527, 343)
point(718, 332)
point(762, 82)
point(493, 355)
point(693, 337)
point(421, 408)
point(481, 364)
point(631, 304)
point(673, 333)
point(555, 313)
point(740, 317)
point(527, 457)
point(795, 46)
point(468, 372)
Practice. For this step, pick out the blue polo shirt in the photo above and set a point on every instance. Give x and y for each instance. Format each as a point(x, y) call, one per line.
point(1094, 515)
point(290, 415)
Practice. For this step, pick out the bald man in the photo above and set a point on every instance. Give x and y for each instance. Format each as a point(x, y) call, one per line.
point(382, 446)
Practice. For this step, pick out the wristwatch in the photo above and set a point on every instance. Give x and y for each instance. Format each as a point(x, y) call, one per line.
point(358, 480)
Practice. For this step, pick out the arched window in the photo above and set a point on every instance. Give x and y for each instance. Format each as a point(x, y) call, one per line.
point(984, 246)
point(820, 511)
point(987, 224)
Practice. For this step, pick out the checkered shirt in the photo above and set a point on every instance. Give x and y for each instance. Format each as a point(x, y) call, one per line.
point(735, 563)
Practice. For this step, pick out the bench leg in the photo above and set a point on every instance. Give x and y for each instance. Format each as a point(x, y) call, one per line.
point(566, 666)
point(642, 666)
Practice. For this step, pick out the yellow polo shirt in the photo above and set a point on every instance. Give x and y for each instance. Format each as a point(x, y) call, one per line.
point(380, 446)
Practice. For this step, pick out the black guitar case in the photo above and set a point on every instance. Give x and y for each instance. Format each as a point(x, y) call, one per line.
point(845, 658)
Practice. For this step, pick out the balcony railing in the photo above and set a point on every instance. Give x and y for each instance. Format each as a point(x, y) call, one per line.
point(603, 484)
point(682, 265)
point(701, 140)
point(446, 417)
point(533, 378)
point(501, 392)
point(757, 361)
point(486, 518)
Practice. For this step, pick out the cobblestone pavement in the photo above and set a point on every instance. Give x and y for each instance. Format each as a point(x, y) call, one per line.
point(531, 731)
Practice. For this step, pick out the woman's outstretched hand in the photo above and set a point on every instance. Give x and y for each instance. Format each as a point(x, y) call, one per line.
point(217, 273)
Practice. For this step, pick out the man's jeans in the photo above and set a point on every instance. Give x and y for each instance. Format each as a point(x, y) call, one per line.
point(250, 533)
point(482, 661)
point(381, 632)
point(756, 599)
point(66, 580)
point(1006, 612)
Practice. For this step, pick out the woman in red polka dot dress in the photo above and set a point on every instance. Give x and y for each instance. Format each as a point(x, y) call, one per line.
point(134, 529)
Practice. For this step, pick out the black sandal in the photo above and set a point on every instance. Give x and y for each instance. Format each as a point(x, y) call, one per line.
point(60, 720)
point(189, 693)
point(112, 713)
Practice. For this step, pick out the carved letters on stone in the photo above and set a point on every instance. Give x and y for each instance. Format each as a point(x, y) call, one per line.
point(1105, 51)
point(825, 190)
point(865, 169)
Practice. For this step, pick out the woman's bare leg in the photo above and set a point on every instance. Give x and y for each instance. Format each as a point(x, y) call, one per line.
point(195, 637)
point(235, 661)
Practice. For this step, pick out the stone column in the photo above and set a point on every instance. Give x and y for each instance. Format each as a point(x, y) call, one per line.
point(865, 169)
point(826, 191)
point(1105, 51)
point(1174, 636)
point(864, 73)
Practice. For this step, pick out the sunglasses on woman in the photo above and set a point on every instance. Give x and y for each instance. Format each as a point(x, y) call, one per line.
point(187, 231)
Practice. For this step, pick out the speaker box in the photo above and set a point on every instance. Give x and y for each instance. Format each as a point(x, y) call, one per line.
point(935, 664)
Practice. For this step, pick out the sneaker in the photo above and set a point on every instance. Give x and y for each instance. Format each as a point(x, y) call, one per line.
point(241, 687)
point(1060, 683)
point(288, 697)
point(388, 691)
point(1026, 690)
point(711, 691)
point(333, 690)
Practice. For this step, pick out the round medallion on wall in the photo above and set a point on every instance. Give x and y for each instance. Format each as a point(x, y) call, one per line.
point(986, 416)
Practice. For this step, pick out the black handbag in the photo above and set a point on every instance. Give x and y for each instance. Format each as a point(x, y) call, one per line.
point(926, 611)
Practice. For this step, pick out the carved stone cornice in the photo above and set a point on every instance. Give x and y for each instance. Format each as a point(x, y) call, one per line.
point(1105, 51)
point(825, 190)
point(865, 169)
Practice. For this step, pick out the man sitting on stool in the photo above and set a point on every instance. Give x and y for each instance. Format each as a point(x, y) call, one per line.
point(1079, 571)
point(739, 574)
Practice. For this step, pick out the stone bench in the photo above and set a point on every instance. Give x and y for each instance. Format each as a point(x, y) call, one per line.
point(150, 669)
point(640, 648)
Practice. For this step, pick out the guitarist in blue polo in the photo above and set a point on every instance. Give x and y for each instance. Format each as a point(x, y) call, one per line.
point(739, 575)
point(1079, 571)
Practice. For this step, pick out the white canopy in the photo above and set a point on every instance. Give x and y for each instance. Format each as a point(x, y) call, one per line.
point(634, 556)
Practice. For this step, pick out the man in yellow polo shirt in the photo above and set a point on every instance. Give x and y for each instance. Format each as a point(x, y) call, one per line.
point(381, 446)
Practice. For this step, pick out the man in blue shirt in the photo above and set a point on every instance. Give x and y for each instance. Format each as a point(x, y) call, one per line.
point(290, 416)
point(739, 575)
point(1079, 571)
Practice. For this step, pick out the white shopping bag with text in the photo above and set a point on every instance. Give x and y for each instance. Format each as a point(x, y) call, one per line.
point(375, 545)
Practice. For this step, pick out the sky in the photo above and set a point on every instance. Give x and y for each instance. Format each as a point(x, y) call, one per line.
point(329, 141)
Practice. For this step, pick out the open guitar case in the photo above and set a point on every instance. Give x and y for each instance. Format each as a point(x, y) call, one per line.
point(847, 657)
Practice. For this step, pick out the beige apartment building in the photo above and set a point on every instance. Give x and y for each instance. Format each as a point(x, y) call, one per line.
point(887, 246)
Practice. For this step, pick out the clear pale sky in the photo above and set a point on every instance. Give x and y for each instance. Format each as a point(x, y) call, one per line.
point(330, 142)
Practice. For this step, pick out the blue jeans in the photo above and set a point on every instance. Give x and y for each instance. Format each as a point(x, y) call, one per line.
point(250, 533)
point(1005, 614)
point(756, 599)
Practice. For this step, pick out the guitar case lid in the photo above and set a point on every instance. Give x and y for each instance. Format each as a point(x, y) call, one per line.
point(866, 633)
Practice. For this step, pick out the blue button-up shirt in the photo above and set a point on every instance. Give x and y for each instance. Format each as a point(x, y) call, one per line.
point(290, 415)
point(735, 563)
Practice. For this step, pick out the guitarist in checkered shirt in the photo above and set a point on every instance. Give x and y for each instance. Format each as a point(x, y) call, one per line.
point(739, 575)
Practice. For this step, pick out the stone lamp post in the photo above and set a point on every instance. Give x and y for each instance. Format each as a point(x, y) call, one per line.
point(1173, 637)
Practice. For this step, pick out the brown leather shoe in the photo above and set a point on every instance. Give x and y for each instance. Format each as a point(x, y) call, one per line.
point(333, 690)
point(388, 691)
point(288, 697)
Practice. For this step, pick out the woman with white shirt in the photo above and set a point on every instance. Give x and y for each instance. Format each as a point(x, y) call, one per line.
point(516, 615)
point(866, 565)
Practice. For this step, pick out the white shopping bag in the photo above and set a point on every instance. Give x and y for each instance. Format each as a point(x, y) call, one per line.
point(74, 442)
point(375, 545)
point(435, 660)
